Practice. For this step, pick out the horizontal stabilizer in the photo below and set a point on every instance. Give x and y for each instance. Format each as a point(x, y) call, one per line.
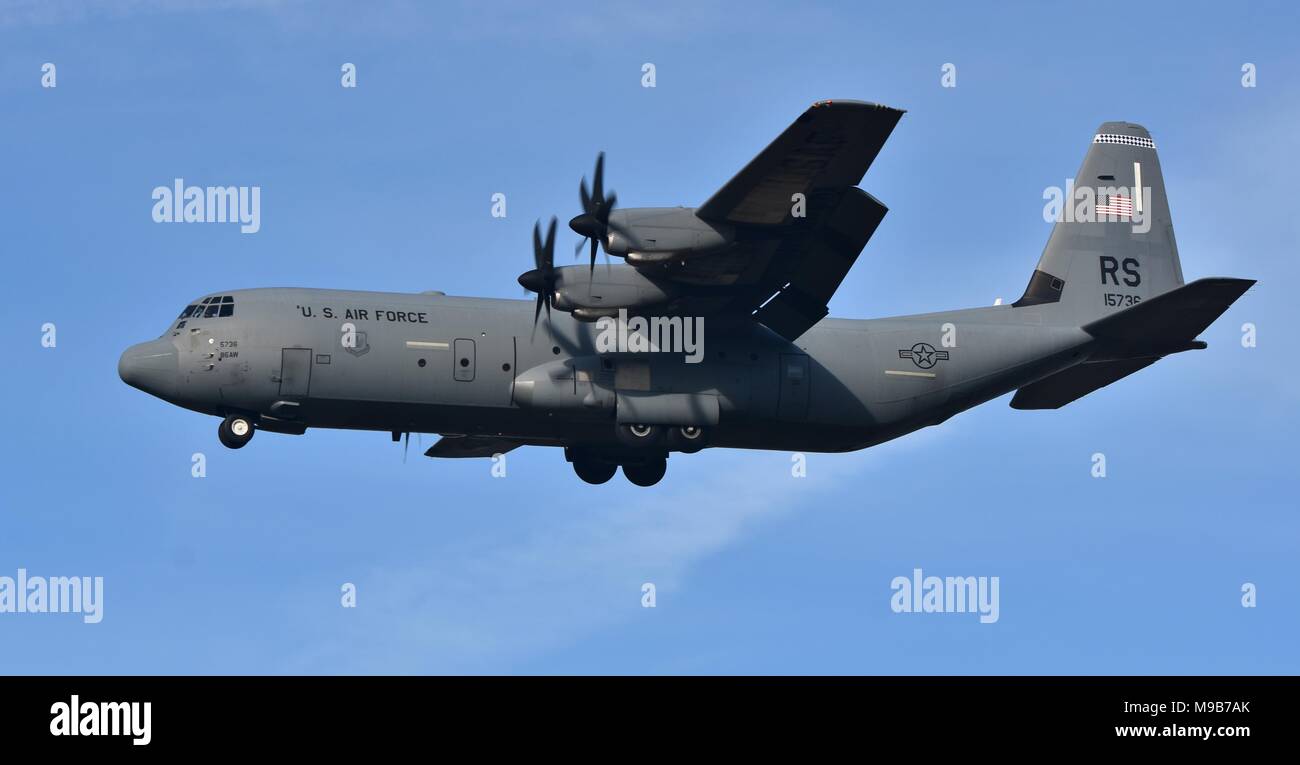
point(471, 446)
point(1136, 338)
point(1076, 382)
point(1169, 322)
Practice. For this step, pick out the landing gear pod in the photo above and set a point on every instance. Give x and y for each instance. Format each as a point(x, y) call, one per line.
point(683, 409)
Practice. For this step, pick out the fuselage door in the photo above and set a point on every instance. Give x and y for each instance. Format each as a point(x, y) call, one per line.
point(795, 382)
point(202, 348)
point(295, 372)
point(463, 359)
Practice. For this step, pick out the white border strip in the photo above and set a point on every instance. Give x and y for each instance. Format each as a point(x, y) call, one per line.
point(1127, 140)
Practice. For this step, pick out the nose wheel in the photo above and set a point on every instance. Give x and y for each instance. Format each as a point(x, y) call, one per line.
point(235, 431)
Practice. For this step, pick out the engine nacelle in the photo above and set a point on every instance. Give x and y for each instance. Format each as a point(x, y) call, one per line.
point(588, 294)
point(655, 234)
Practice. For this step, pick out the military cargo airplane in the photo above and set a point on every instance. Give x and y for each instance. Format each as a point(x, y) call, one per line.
point(751, 271)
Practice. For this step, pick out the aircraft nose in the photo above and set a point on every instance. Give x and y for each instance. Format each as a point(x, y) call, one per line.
point(151, 367)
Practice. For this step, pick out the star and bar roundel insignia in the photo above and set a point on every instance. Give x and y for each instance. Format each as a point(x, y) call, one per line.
point(923, 355)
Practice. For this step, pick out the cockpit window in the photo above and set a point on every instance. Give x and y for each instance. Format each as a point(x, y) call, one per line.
point(220, 306)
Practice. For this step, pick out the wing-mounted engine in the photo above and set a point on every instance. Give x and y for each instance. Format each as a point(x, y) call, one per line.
point(644, 235)
point(650, 235)
point(589, 295)
point(592, 293)
point(772, 245)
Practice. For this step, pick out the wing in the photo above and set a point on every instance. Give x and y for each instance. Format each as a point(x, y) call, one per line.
point(792, 253)
point(807, 270)
point(827, 150)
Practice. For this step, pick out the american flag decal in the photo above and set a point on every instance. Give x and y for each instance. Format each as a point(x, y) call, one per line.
point(1116, 205)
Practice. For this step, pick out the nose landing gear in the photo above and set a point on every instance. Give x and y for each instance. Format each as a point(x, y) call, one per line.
point(235, 431)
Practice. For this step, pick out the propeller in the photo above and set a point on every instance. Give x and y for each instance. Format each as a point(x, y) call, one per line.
point(594, 224)
point(541, 279)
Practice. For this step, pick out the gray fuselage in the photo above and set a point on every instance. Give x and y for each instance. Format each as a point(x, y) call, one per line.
point(430, 363)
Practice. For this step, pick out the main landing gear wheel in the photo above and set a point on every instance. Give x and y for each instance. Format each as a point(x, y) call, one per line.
point(594, 471)
point(688, 439)
point(640, 436)
point(646, 473)
point(235, 431)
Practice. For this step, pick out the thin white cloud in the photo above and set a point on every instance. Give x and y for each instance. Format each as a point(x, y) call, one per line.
point(479, 607)
point(487, 605)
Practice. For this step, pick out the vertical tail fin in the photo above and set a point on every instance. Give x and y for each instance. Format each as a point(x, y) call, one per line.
point(1113, 244)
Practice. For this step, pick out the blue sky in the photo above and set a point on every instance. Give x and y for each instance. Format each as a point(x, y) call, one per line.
point(388, 187)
